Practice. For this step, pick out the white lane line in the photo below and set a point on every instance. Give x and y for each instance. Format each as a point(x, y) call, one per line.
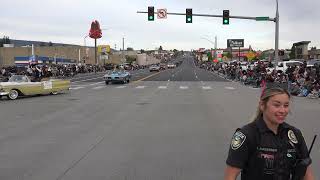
point(206, 87)
point(96, 83)
point(162, 87)
point(75, 88)
point(99, 87)
point(86, 80)
point(140, 87)
point(121, 87)
point(231, 88)
point(258, 88)
point(184, 87)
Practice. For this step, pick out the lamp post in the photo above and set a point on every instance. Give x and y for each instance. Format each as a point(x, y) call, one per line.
point(215, 45)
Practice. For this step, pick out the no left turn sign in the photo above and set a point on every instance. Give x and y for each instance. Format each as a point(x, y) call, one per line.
point(162, 13)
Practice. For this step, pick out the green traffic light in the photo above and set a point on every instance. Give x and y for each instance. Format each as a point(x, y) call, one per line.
point(225, 21)
point(189, 20)
point(150, 17)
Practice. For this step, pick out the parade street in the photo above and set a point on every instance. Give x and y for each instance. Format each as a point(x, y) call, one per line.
point(173, 124)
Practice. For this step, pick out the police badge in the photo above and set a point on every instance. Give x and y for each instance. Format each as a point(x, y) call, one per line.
point(292, 137)
point(237, 140)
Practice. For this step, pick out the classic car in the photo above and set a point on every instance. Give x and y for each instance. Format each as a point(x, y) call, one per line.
point(171, 65)
point(154, 68)
point(121, 76)
point(21, 85)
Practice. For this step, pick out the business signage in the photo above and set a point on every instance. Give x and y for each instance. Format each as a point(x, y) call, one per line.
point(235, 43)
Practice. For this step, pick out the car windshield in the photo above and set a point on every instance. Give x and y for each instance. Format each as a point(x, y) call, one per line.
point(18, 79)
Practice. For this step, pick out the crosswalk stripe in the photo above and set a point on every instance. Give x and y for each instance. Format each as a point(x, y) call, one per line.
point(121, 87)
point(75, 88)
point(99, 87)
point(184, 87)
point(96, 83)
point(140, 87)
point(231, 88)
point(206, 87)
point(162, 87)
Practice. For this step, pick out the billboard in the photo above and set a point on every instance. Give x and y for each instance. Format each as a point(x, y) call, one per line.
point(235, 43)
point(104, 49)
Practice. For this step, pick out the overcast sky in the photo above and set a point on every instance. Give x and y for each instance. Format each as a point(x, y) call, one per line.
point(68, 21)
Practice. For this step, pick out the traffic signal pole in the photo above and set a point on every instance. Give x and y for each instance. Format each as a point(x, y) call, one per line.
point(276, 20)
point(210, 15)
point(276, 46)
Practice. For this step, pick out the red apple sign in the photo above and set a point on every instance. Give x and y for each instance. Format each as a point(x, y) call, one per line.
point(95, 31)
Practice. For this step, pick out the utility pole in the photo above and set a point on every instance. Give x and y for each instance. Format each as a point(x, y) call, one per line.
point(122, 50)
point(276, 51)
point(123, 43)
point(215, 47)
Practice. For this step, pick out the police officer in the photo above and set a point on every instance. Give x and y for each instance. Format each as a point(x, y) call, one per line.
point(268, 148)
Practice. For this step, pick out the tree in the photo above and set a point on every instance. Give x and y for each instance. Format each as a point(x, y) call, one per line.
point(129, 49)
point(50, 43)
point(130, 59)
point(209, 56)
point(160, 49)
point(292, 54)
point(142, 50)
point(227, 54)
point(5, 40)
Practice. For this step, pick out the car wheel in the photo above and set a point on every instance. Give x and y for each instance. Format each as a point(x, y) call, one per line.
point(107, 82)
point(13, 94)
point(128, 80)
point(54, 92)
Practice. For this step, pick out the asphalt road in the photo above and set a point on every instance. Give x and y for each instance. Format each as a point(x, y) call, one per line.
point(176, 124)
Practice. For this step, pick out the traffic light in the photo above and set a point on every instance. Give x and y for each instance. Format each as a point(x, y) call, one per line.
point(188, 15)
point(150, 13)
point(225, 17)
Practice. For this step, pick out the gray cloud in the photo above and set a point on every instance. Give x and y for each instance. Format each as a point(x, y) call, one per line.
point(69, 21)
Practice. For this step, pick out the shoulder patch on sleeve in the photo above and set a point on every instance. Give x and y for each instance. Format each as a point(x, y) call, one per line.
point(237, 140)
point(292, 137)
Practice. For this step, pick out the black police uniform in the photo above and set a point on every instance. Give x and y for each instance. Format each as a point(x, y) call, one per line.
point(263, 155)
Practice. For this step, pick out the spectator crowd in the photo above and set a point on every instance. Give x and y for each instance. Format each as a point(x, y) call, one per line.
point(300, 80)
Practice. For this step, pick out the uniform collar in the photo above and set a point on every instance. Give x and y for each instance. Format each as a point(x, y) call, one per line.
point(264, 128)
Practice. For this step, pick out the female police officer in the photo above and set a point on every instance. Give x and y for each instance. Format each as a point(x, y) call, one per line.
point(268, 148)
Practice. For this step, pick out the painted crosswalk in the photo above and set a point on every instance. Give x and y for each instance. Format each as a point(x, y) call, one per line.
point(99, 87)
point(162, 87)
point(206, 87)
point(76, 88)
point(166, 87)
point(231, 88)
point(184, 87)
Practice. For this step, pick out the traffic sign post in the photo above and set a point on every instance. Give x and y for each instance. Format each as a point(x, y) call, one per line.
point(162, 13)
point(263, 18)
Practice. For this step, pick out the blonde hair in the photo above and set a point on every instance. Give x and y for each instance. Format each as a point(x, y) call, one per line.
point(266, 95)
